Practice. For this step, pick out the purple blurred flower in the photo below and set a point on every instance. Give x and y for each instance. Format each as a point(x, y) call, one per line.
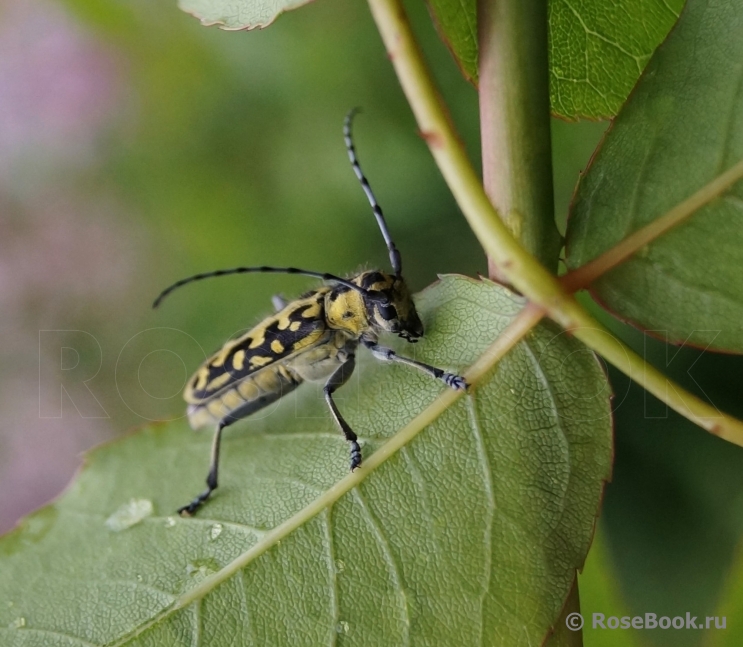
point(58, 86)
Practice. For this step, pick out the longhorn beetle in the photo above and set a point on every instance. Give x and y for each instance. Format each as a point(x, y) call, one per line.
point(314, 338)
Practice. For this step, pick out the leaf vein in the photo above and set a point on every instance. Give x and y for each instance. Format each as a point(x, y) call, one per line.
point(334, 610)
point(488, 483)
point(555, 411)
point(244, 598)
point(420, 484)
point(196, 638)
point(391, 562)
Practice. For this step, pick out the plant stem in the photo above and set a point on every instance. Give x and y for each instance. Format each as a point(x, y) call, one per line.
point(512, 260)
point(588, 273)
point(517, 152)
point(613, 350)
point(515, 122)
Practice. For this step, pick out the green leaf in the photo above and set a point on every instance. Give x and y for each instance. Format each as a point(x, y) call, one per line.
point(729, 608)
point(239, 14)
point(599, 592)
point(680, 129)
point(599, 49)
point(456, 23)
point(470, 534)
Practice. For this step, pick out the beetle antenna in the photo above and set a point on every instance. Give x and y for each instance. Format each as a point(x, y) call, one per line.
point(246, 270)
point(395, 258)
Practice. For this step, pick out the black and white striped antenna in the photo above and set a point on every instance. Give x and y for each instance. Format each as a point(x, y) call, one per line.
point(395, 258)
point(264, 268)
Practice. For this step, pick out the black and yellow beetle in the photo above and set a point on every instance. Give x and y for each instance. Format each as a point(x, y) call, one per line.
point(312, 338)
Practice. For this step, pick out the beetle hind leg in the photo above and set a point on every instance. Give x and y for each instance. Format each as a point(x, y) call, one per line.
point(212, 477)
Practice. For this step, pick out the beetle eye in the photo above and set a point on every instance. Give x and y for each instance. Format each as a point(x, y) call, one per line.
point(387, 312)
point(378, 298)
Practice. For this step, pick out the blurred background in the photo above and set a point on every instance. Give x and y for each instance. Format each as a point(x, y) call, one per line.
point(137, 147)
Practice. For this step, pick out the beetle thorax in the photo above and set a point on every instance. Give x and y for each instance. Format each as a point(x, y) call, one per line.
point(345, 310)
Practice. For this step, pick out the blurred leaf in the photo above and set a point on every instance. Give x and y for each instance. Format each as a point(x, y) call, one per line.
point(673, 512)
point(730, 608)
point(473, 530)
point(456, 22)
point(242, 14)
point(681, 128)
point(599, 49)
point(600, 594)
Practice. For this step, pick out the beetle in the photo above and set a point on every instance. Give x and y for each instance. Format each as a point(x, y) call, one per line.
point(313, 338)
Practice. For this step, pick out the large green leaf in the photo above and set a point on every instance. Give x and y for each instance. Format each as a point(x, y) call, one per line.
point(469, 535)
point(680, 129)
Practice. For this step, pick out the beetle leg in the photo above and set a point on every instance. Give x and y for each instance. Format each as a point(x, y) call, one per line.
point(211, 479)
point(388, 355)
point(337, 379)
point(288, 381)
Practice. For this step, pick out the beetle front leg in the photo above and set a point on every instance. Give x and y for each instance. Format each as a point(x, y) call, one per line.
point(388, 355)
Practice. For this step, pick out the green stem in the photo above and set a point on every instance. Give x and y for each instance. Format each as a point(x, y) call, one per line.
point(511, 259)
point(588, 273)
point(517, 152)
point(614, 351)
point(515, 122)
